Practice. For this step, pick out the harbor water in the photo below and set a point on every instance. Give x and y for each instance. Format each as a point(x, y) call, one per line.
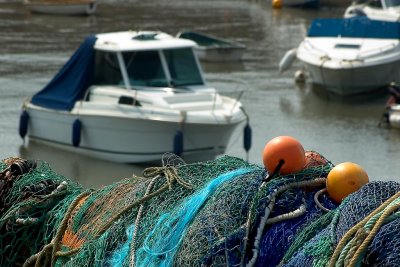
point(34, 47)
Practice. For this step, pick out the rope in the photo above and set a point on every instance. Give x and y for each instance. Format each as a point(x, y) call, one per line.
point(170, 175)
point(248, 224)
point(269, 208)
point(342, 243)
point(288, 216)
point(64, 224)
point(316, 196)
point(371, 234)
point(138, 217)
point(50, 250)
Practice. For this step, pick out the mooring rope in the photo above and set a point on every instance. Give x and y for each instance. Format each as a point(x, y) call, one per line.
point(384, 209)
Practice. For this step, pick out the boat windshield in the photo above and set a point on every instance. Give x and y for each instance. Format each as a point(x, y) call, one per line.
point(107, 70)
point(145, 68)
point(392, 3)
point(183, 67)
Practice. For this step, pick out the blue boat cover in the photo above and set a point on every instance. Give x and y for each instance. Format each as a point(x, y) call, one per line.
point(356, 27)
point(71, 82)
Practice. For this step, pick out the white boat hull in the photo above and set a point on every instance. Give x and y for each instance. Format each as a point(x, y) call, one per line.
point(128, 140)
point(356, 80)
point(219, 54)
point(85, 8)
point(394, 116)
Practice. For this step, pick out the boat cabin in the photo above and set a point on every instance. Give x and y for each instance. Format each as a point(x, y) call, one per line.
point(145, 61)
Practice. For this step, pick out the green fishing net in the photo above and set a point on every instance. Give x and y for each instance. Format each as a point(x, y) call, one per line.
point(224, 212)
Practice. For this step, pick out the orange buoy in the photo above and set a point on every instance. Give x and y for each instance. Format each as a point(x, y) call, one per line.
point(344, 179)
point(276, 3)
point(284, 148)
point(314, 159)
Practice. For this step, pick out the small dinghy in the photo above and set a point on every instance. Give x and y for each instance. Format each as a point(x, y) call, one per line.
point(214, 49)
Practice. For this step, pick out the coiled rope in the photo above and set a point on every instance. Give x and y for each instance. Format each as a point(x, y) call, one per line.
point(350, 250)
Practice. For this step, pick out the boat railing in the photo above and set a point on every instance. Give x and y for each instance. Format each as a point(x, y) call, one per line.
point(240, 92)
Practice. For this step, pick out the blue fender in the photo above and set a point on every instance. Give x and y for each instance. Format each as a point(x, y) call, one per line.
point(178, 143)
point(247, 137)
point(23, 124)
point(76, 132)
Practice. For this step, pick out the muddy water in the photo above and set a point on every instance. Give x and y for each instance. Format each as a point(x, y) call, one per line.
point(34, 47)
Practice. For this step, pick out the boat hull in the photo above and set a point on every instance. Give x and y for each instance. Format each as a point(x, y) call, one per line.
point(356, 80)
point(394, 116)
point(128, 140)
point(86, 8)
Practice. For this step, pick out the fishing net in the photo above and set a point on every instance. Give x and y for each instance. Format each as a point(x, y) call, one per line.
point(224, 212)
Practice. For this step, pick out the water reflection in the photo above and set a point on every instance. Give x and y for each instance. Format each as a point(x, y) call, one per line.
point(87, 171)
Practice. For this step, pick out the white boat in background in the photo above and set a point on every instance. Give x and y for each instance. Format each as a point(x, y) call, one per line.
point(391, 115)
point(394, 116)
point(214, 49)
point(62, 7)
point(131, 97)
point(387, 10)
point(350, 56)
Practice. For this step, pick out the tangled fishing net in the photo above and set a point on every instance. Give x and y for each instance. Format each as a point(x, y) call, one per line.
point(225, 212)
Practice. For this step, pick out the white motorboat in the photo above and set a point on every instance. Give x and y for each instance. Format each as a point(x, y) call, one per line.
point(387, 10)
point(214, 49)
point(62, 7)
point(349, 56)
point(131, 97)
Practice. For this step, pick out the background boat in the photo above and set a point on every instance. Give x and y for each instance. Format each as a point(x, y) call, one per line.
point(351, 56)
point(386, 10)
point(214, 49)
point(62, 7)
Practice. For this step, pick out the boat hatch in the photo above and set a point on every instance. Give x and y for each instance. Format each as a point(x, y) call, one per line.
point(145, 36)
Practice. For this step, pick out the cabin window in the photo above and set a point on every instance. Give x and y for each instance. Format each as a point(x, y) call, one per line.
point(375, 3)
point(392, 3)
point(183, 67)
point(107, 70)
point(145, 69)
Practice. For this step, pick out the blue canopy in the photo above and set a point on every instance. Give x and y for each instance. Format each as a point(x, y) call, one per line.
point(71, 82)
point(356, 27)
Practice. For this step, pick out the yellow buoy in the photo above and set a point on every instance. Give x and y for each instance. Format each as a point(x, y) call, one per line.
point(344, 179)
point(276, 3)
